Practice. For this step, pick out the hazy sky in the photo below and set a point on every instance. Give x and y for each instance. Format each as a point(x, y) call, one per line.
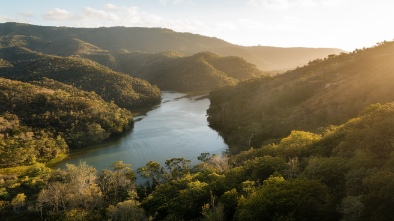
point(346, 24)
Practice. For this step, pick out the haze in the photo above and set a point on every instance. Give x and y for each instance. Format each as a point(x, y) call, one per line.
point(345, 24)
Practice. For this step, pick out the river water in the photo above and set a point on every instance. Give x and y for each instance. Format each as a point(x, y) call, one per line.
point(177, 127)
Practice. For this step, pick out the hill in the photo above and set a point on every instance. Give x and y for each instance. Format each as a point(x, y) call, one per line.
point(172, 71)
point(80, 118)
point(103, 43)
point(20, 63)
point(323, 93)
point(168, 70)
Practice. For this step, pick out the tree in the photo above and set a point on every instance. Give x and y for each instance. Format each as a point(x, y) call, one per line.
point(117, 184)
point(379, 197)
point(153, 171)
point(178, 167)
point(54, 197)
point(126, 211)
point(229, 200)
point(279, 199)
point(18, 202)
point(216, 163)
point(78, 191)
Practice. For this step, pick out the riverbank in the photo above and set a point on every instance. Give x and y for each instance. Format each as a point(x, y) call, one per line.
point(177, 127)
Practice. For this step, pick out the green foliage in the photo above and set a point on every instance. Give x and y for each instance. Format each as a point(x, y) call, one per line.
point(342, 172)
point(81, 118)
point(296, 179)
point(201, 71)
point(278, 199)
point(84, 74)
point(329, 92)
point(116, 185)
point(126, 211)
point(82, 194)
point(21, 145)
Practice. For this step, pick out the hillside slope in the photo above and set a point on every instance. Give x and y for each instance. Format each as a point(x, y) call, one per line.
point(105, 42)
point(23, 64)
point(172, 71)
point(322, 93)
point(81, 118)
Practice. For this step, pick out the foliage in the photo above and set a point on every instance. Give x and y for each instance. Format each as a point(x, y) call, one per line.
point(342, 172)
point(84, 74)
point(326, 92)
point(126, 211)
point(81, 118)
point(201, 71)
point(21, 145)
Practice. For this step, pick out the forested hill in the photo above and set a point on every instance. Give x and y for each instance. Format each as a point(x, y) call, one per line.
point(101, 44)
point(80, 118)
point(323, 93)
point(74, 64)
point(20, 63)
point(173, 71)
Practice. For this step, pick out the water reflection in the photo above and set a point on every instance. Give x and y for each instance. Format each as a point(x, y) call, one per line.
point(176, 128)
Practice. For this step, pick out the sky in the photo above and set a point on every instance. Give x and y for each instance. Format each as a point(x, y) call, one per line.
point(344, 24)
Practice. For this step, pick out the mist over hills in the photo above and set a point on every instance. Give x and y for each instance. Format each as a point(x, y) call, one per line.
point(104, 42)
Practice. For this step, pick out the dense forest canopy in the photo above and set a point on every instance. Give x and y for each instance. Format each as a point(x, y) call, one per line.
point(201, 71)
point(325, 92)
point(343, 173)
point(81, 118)
point(27, 65)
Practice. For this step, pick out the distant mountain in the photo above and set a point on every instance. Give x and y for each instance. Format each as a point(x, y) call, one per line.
point(169, 70)
point(20, 63)
point(103, 43)
point(325, 92)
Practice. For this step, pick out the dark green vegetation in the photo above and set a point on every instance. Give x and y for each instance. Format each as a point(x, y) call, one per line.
point(322, 134)
point(26, 65)
point(81, 118)
point(21, 145)
point(343, 173)
point(325, 92)
point(102, 45)
point(172, 71)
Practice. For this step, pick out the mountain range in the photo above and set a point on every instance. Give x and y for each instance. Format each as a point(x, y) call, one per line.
point(103, 43)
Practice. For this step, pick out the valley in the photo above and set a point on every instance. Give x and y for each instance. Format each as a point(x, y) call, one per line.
point(279, 134)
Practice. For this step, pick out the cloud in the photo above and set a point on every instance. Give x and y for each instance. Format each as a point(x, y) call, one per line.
point(113, 15)
point(288, 3)
point(91, 13)
point(175, 2)
point(110, 6)
point(130, 16)
point(57, 14)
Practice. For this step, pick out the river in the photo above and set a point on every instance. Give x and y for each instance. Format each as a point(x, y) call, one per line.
point(177, 127)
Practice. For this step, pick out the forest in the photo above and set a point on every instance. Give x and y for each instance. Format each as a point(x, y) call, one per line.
point(313, 143)
point(344, 173)
point(175, 72)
